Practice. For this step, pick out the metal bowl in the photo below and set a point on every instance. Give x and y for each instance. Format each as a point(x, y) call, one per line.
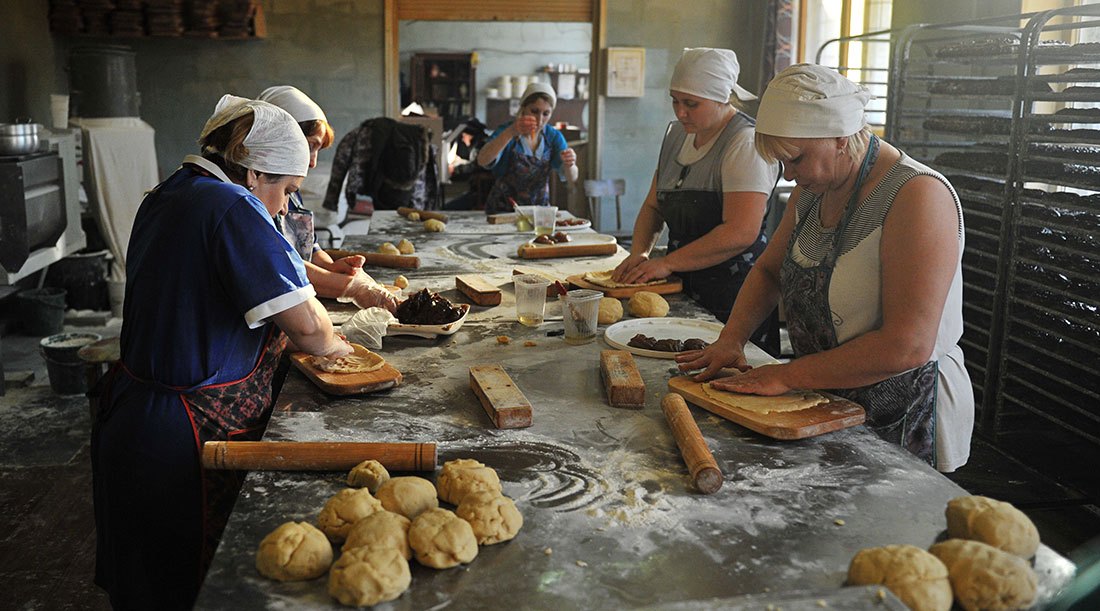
point(18, 138)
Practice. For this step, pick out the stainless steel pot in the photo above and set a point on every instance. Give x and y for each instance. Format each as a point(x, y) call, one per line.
point(18, 138)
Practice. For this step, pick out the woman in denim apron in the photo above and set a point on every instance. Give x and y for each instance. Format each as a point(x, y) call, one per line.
point(867, 263)
point(710, 189)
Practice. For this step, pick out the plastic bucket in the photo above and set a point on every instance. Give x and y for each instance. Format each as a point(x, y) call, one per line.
point(84, 277)
point(42, 310)
point(65, 367)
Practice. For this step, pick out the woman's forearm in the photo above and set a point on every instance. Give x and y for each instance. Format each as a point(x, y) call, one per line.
point(308, 327)
point(492, 148)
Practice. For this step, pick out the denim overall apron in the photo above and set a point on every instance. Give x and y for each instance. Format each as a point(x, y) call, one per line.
point(900, 409)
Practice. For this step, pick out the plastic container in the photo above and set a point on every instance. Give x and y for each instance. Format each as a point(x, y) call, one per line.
point(42, 310)
point(84, 277)
point(65, 367)
point(580, 310)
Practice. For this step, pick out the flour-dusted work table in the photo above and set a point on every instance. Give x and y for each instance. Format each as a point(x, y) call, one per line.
point(611, 519)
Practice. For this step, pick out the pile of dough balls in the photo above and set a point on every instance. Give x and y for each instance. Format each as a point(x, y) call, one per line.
point(983, 566)
point(435, 225)
point(383, 522)
point(647, 304)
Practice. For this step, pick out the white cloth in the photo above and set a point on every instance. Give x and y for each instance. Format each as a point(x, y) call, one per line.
point(120, 165)
point(742, 167)
point(539, 87)
point(710, 74)
point(276, 144)
point(855, 299)
point(292, 100)
point(811, 101)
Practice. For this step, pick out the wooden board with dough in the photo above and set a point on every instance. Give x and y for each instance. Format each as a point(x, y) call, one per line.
point(838, 413)
point(346, 383)
point(579, 245)
point(672, 284)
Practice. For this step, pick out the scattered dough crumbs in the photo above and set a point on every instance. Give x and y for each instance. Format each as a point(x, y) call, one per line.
point(548, 551)
point(582, 563)
point(838, 522)
point(822, 603)
point(503, 339)
point(529, 343)
point(881, 594)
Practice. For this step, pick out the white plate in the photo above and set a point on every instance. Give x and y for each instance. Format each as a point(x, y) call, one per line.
point(558, 227)
point(429, 331)
point(580, 238)
point(619, 334)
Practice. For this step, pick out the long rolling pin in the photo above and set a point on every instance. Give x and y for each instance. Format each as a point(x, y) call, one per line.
point(316, 455)
point(424, 214)
point(379, 259)
point(700, 462)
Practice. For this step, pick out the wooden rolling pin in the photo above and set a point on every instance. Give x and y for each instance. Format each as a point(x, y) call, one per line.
point(316, 455)
point(379, 259)
point(700, 462)
point(424, 214)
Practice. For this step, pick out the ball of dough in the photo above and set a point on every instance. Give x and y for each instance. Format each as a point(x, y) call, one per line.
point(413, 216)
point(407, 496)
point(381, 528)
point(460, 477)
point(915, 576)
point(344, 509)
point(293, 552)
point(368, 474)
point(984, 577)
point(369, 575)
point(388, 248)
point(434, 225)
point(994, 522)
point(493, 517)
point(440, 539)
point(406, 247)
point(646, 304)
point(611, 310)
point(401, 282)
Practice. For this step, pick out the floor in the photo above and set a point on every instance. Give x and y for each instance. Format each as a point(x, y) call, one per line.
point(47, 534)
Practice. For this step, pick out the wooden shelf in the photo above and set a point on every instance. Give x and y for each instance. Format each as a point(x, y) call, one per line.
point(257, 26)
point(447, 82)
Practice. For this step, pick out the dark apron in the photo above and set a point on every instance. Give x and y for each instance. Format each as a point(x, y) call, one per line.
point(297, 227)
point(230, 411)
point(900, 409)
point(692, 213)
point(526, 180)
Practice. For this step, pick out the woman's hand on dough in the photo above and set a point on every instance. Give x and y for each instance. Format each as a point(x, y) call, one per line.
point(652, 269)
point(569, 157)
point(626, 265)
point(713, 359)
point(763, 380)
point(348, 265)
point(340, 347)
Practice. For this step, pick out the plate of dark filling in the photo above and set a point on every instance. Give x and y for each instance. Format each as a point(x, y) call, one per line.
point(428, 314)
point(661, 338)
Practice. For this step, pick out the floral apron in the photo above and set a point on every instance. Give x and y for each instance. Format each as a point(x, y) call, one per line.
point(297, 227)
point(900, 409)
point(526, 180)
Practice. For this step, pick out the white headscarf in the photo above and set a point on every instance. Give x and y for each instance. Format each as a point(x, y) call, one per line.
point(539, 87)
point(292, 100)
point(812, 101)
point(710, 74)
point(275, 143)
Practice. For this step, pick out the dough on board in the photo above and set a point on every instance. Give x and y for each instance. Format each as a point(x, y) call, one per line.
point(407, 496)
point(294, 551)
point(381, 528)
point(368, 474)
point(790, 401)
point(361, 360)
point(441, 540)
point(344, 509)
point(462, 476)
point(604, 279)
point(647, 304)
point(984, 577)
point(405, 247)
point(369, 575)
point(915, 576)
point(493, 517)
point(994, 522)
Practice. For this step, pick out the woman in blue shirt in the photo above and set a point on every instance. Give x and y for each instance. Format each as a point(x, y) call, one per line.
point(522, 153)
point(214, 294)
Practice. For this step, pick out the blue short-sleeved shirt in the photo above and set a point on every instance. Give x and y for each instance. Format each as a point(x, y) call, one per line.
point(550, 149)
point(206, 269)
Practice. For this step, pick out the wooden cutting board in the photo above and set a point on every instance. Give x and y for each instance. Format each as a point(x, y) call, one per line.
point(673, 285)
point(347, 383)
point(837, 414)
point(569, 249)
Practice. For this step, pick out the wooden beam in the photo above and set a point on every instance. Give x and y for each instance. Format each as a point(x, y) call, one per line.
point(494, 10)
point(597, 74)
point(391, 59)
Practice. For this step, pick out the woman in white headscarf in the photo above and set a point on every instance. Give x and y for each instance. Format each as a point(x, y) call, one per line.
point(522, 153)
point(213, 295)
point(711, 188)
point(867, 263)
point(341, 278)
